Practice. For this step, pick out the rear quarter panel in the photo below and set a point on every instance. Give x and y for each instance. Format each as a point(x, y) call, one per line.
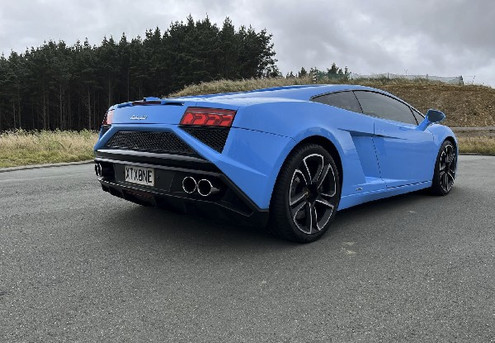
point(349, 132)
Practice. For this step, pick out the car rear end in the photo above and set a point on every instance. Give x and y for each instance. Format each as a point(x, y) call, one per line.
point(186, 155)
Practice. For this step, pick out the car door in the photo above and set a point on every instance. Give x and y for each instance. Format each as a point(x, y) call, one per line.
point(364, 168)
point(404, 153)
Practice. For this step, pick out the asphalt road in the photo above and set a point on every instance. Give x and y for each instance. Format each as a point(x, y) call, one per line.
point(78, 265)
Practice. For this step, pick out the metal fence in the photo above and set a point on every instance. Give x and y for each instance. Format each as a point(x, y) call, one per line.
point(457, 80)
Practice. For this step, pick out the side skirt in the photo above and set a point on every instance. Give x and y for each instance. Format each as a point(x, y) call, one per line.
point(356, 199)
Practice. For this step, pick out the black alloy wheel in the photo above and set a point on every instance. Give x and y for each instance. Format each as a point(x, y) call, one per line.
point(445, 169)
point(306, 195)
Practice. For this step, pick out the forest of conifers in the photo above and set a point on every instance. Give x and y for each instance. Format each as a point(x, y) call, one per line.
point(56, 86)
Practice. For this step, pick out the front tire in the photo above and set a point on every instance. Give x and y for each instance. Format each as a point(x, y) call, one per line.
point(445, 169)
point(306, 195)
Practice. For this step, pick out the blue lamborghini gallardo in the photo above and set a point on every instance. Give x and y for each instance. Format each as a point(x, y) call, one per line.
point(287, 157)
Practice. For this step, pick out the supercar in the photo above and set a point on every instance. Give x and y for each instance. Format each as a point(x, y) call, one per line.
point(288, 157)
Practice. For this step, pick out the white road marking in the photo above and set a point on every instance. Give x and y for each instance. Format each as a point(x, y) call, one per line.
point(41, 177)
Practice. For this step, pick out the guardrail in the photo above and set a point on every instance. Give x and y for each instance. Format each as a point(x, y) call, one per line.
point(474, 131)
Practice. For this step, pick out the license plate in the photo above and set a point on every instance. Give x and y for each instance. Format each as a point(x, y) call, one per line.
point(141, 176)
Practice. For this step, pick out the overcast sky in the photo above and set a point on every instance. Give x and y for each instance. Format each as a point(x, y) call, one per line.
point(434, 37)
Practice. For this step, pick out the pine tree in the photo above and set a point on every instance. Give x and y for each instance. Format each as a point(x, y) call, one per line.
point(57, 86)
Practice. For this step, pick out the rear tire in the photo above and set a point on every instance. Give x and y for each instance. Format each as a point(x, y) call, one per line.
point(306, 195)
point(445, 169)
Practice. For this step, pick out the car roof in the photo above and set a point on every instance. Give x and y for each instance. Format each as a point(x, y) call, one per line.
point(296, 92)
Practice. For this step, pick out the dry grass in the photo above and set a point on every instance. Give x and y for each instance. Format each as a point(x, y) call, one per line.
point(226, 86)
point(468, 105)
point(477, 145)
point(23, 148)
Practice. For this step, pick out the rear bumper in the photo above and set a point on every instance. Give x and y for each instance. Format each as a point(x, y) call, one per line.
point(170, 170)
point(250, 159)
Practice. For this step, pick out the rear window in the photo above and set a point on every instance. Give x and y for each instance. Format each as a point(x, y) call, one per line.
point(345, 100)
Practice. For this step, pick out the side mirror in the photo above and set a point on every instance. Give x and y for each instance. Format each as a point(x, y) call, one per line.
point(432, 116)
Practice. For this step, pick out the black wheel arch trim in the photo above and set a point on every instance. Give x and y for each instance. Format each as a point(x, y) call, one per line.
point(328, 145)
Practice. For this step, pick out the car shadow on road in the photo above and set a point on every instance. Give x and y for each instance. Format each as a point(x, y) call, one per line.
point(144, 223)
point(161, 225)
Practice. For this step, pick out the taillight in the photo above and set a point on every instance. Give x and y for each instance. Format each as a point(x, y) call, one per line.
point(107, 120)
point(201, 116)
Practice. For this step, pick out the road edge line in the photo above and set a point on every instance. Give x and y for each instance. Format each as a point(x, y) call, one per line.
point(47, 165)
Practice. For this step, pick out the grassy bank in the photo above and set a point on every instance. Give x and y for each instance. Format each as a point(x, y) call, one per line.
point(22, 148)
point(477, 145)
point(466, 105)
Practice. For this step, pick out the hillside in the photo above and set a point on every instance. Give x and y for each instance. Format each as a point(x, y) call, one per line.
point(468, 105)
point(464, 105)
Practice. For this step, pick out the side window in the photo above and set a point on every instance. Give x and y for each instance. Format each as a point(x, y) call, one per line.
point(382, 106)
point(345, 100)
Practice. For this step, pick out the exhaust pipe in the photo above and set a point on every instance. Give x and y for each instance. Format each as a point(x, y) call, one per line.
point(189, 185)
point(206, 188)
point(98, 170)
